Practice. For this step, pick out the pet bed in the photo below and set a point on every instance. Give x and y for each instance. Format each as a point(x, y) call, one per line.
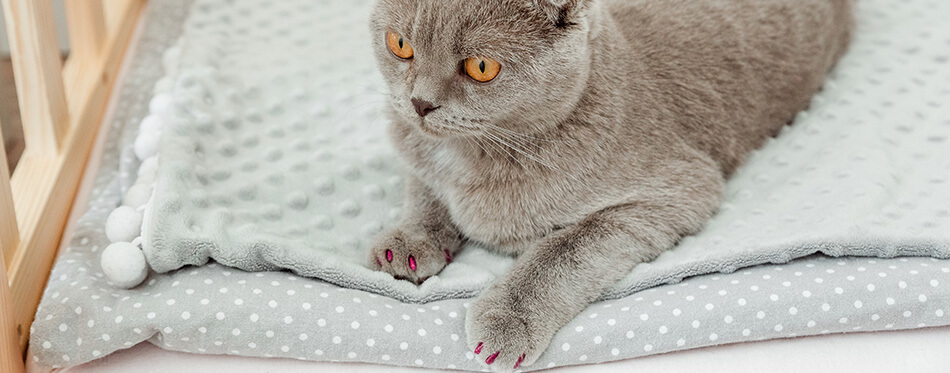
point(214, 309)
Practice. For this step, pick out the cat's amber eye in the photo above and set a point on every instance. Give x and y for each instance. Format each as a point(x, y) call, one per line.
point(398, 45)
point(482, 69)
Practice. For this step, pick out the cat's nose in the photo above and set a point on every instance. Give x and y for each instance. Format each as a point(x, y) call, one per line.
point(423, 107)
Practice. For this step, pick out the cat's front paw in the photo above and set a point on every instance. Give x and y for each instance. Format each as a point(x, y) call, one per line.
point(502, 336)
point(410, 257)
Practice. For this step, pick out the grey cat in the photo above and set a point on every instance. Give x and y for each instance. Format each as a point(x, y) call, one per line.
point(583, 136)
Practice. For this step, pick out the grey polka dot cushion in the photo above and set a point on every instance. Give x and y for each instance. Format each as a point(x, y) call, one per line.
point(885, 97)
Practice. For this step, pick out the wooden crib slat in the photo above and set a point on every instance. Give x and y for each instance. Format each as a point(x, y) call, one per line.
point(9, 234)
point(11, 356)
point(87, 35)
point(87, 27)
point(44, 187)
point(37, 68)
point(113, 13)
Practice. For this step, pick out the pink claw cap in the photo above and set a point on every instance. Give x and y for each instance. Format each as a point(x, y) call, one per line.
point(412, 263)
point(520, 359)
point(478, 349)
point(491, 359)
point(448, 257)
point(389, 256)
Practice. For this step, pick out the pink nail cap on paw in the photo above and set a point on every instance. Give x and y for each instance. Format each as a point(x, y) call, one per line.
point(389, 256)
point(491, 359)
point(520, 359)
point(448, 257)
point(478, 349)
point(412, 263)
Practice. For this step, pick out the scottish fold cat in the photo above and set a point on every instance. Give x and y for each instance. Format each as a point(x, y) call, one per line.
point(583, 136)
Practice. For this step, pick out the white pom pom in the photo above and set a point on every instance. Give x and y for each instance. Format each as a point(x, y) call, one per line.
point(137, 196)
point(161, 104)
point(124, 264)
point(146, 179)
point(164, 85)
point(171, 57)
point(146, 145)
point(149, 166)
point(151, 123)
point(123, 224)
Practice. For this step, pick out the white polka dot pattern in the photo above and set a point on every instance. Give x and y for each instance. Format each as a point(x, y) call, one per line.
point(811, 296)
point(220, 310)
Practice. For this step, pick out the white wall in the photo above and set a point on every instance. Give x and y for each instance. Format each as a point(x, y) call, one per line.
point(60, 14)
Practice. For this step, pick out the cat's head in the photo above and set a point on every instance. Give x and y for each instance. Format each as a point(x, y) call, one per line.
point(461, 68)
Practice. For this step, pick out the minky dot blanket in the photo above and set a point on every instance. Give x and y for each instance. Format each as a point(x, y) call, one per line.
point(274, 154)
point(893, 80)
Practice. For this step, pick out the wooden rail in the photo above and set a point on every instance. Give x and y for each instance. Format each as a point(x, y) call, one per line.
point(61, 106)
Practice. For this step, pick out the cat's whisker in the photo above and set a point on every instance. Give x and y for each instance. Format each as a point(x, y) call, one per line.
point(375, 118)
point(372, 92)
point(354, 108)
point(493, 142)
point(515, 133)
point(479, 144)
point(452, 127)
point(504, 147)
point(366, 86)
point(509, 144)
point(521, 145)
point(524, 152)
point(463, 123)
point(523, 142)
point(549, 165)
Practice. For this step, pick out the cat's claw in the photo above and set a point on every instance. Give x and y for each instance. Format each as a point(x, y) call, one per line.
point(520, 360)
point(491, 359)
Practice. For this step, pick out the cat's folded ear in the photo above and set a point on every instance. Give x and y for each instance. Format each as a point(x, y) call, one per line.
point(562, 12)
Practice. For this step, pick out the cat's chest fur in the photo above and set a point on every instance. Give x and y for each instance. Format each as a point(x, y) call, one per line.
point(492, 200)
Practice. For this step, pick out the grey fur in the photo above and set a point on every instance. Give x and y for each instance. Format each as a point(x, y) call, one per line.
point(605, 139)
